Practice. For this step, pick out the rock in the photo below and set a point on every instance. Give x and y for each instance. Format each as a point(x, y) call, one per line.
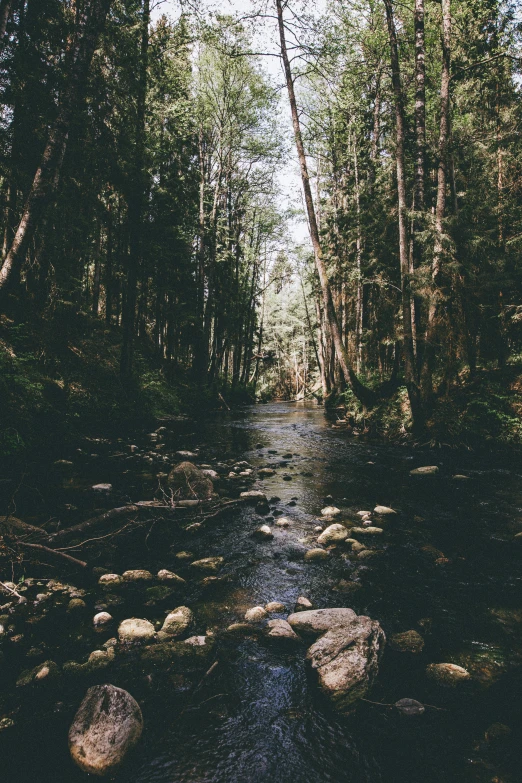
point(346, 655)
point(184, 555)
point(427, 470)
point(366, 554)
point(281, 629)
point(347, 586)
point(460, 477)
point(382, 511)
point(101, 656)
point(44, 671)
point(367, 531)
point(106, 727)
point(136, 630)
point(158, 593)
point(212, 581)
point(410, 707)
point(318, 529)
point(76, 604)
point(137, 575)
point(254, 495)
point(283, 522)
point(196, 641)
point(110, 580)
point(263, 532)
point(211, 474)
point(186, 454)
point(357, 546)
point(241, 629)
point(103, 489)
point(170, 577)
point(333, 535)
point(318, 621)
point(255, 615)
point(330, 511)
point(178, 621)
point(367, 513)
point(102, 619)
point(275, 606)
point(187, 482)
point(316, 554)
point(303, 604)
point(266, 472)
point(209, 564)
point(448, 674)
point(408, 641)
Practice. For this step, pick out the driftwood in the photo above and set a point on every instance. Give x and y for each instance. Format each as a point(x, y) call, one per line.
point(49, 551)
point(89, 524)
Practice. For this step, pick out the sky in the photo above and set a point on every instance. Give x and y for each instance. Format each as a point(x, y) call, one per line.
point(289, 177)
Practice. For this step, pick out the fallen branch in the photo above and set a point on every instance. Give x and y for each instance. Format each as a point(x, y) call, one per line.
point(10, 523)
point(10, 590)
point(94, 522)
point(54, 552)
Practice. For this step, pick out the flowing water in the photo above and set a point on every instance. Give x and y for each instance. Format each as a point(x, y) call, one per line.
point(446, 566)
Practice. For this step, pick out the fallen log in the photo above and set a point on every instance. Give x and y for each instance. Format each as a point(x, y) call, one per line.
point(115, 513)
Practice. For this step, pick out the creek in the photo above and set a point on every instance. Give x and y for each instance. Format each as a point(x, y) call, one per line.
point(446, 566)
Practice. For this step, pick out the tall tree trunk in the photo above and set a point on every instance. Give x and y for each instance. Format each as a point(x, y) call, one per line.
point(46, 179)
point(359, 312)
point(410, 369)
point(136, 202)
point(440, 208)
point(366, 396)
point(420, 107)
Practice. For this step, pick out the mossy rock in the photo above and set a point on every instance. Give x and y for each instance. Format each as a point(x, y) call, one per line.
point(48, 670)
point(158, 593)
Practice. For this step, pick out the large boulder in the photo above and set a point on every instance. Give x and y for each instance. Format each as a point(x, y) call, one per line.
point(106, 727)
point(187, 482)
point(346, 655)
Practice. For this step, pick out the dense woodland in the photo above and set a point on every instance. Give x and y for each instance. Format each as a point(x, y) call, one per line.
point(145, 233)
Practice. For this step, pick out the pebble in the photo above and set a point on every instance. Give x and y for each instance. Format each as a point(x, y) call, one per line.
point(169, 576)
point(330, 511)
point(275, 606)
point(426, 470)
point(303, 604)
point(110, 580)
point(137, 575)
point(101, 619)
point(316, 554)
point(209, 564)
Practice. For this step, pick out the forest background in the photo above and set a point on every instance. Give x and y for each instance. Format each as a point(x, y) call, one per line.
point(152, 258)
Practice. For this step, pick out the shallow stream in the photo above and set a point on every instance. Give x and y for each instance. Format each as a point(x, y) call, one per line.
point(446, 566)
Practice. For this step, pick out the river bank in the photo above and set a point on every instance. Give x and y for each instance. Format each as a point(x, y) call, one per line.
point(445, 566)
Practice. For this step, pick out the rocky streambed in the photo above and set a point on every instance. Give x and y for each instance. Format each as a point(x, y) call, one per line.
point(273, 600)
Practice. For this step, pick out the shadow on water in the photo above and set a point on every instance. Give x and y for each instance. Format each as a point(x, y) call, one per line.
point(445, 566)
